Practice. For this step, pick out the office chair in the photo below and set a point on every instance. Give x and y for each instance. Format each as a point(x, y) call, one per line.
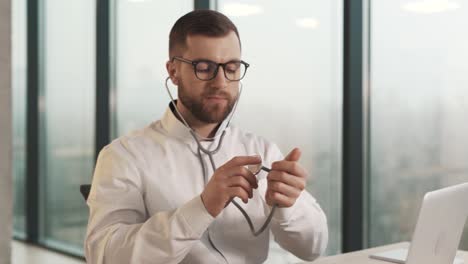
point(84, 190)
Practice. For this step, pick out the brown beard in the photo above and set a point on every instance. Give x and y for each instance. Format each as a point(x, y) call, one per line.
point(202, 112)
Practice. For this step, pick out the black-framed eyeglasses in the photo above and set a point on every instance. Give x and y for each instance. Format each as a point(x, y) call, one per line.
point(206, 70)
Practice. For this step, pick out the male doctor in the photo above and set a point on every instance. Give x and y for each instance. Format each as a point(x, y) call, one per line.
point(152, 200)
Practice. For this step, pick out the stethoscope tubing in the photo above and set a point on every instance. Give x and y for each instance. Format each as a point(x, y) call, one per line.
point(210, 154)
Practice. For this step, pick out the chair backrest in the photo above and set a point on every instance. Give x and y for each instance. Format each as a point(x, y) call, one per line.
point(84, 190)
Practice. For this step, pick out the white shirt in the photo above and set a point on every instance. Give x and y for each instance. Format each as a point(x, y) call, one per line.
point(145, 204)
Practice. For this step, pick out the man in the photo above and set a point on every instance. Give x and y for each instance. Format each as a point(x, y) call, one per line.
point(154, 199)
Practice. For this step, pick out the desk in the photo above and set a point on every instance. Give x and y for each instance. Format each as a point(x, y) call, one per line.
point(362, 257)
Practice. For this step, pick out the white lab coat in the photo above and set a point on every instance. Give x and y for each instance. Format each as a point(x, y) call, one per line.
point(145, 204)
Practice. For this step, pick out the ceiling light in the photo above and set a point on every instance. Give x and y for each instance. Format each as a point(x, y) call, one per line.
point(307, 22)
point(238, 9)
point(430, 6)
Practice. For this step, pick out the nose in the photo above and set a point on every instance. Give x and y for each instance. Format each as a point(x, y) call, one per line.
point(219, 81)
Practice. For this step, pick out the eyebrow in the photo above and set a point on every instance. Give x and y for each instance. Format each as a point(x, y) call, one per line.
point(204, 59)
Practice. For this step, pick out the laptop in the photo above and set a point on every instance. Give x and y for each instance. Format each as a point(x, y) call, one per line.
point(438, 231)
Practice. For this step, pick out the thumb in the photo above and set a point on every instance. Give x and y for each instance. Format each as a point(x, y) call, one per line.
point(294, 155)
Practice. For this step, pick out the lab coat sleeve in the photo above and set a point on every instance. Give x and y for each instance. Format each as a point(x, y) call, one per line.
point(119, 229)
point(302, 228)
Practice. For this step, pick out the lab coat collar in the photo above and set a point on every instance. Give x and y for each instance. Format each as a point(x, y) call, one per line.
point(176, 127)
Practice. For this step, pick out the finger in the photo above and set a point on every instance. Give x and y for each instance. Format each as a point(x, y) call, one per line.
point(244, 172)
point(238, 181)
point(280, 199)
point(238, 192)
point(268, 198)
point(283, 188)
point(291, 167)
point(294, 155)
point(243, 161)
point(291, 180)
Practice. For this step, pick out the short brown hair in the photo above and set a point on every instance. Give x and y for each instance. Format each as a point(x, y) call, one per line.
point(199, 22)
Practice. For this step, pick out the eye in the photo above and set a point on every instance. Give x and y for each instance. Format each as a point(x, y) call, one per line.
point(232, 67)
point(204, 66)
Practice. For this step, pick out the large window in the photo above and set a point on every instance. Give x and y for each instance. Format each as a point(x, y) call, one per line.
point(67, 110)
point(419, 133)
point(418, 100)
point(140, 45)
point(294, 84)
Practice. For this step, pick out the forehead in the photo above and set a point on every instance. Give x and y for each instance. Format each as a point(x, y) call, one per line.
point(218, 49)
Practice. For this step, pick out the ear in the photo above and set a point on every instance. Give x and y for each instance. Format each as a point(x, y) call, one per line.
point(172, 71)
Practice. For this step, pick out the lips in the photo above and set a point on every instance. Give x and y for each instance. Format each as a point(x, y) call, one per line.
point(216, 97)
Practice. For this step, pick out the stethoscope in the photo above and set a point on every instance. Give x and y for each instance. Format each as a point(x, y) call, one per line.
point(255, 169)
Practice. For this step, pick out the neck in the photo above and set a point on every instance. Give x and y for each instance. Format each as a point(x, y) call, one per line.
point(206, 130)
point(203, 129)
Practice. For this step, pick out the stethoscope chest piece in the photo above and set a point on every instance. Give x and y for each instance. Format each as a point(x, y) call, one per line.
point(255, 168)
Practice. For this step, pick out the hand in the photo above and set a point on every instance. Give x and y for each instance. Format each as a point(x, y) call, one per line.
point(229, 181)
point(286, 180)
